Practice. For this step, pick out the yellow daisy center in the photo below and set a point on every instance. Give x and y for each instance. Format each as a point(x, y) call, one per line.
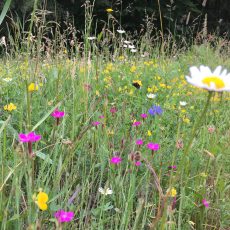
point(219, 83)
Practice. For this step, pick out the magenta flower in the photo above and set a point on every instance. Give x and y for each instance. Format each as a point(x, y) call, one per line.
point(144, 115)
point(30, 137)
point(139, 142)
point(153, 146)
point(136, 123)
point(58, 114)
point(205, 203)
point(96, 123)
point(63, 216)
point(172, 167)
point(101, 117)
point(113, 110)
point(115, 160)
point(138, 163)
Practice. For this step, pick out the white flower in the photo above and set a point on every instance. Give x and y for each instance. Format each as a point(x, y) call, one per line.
point(151, 95)
point(183, 103)
point(206, 79)
point(127, 42)
point(133, 50)
point(131, 47)
point(8, 79)
point(121, 31)
point(125, 46)
point(91, 38)
point(106, 191)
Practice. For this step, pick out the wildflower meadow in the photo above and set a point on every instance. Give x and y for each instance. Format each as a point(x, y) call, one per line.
point(117, 138)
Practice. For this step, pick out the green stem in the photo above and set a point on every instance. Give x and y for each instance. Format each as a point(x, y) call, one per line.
point(186, 151)
point(197, 124)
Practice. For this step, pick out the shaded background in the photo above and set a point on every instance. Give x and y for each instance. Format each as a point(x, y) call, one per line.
point(179, 16)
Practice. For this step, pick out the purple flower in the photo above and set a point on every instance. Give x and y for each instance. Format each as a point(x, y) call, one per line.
point(144, 115)
point(30, 137)
point(138, 163)
point(58, 114)
point(63, 216)
point(153, 146)
point(115, 160)
point(96, 123)
point(139, 142)
point(172, 167)
point(113, 110)
point(136, 123)
point(155, 110)
point(101, 116)
point(205, 203)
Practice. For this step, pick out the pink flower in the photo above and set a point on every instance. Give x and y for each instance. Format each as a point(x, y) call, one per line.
point(205, 203)
point(144, 115)
point(58, 114)
point(153, 146)
point(139, 142)
point(136, 123)
point(101, 117)
point(63, 216)
point(138, 163)
point(30, 137)
point(172, 167)
point(113, 110)
point(115, 160)
point(96, 123)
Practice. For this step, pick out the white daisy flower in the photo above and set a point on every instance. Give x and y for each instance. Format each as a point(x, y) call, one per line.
point(151, 95)
point(91, 38)
point(203, 77)
point(131, 47)
point(106, 191)
point(183, 103)
point(121, 31)
point(133, 50)
point(8, 79)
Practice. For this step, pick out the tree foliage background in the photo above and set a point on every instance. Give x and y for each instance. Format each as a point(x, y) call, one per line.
point(178, 16)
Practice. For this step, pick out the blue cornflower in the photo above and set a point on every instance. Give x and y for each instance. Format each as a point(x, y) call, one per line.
point(155, 110)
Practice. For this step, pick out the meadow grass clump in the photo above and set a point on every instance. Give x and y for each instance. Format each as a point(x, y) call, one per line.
point(122, 141)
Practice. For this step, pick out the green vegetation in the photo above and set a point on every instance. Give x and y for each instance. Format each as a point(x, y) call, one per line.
point(103, 86)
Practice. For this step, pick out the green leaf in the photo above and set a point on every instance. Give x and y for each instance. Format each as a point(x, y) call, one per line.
point(46, 115)
point(44, 157)
point(4, 124)
point(4, 10)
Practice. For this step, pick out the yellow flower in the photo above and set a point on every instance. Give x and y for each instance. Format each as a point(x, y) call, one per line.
point(41, 200)
point(10, 107)
point(121, 58)
point(172, 192)
point(32, 87)
point(110, 132)
point(162, 85)
point(133, 68)
point(150, 90)
point(131, 92)
point(109, 10)
point(149, 133)
point(186, 120)
point(97, 93)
